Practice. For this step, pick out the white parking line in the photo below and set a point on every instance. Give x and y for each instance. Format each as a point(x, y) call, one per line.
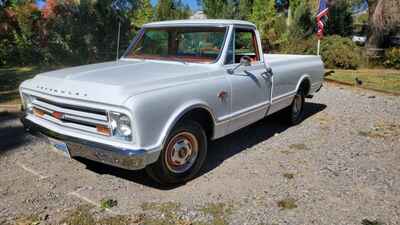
point(41, 177)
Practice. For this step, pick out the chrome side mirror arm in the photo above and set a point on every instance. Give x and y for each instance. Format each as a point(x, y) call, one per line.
point(244, 61)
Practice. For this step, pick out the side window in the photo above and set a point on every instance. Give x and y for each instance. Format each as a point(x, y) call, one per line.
point(246, 45)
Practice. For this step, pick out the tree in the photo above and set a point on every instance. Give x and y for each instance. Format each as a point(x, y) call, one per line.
point(19, 39)
point(143, 14)
point(263, 16)
point(221, 9)
point(303, 21)
point(384, 18)
point(340, 20)
point(171, 10)
point(245, 9)
point(165, 10)
point(181, 11)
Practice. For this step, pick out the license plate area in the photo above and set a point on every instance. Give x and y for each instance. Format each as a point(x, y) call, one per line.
point(60, 147)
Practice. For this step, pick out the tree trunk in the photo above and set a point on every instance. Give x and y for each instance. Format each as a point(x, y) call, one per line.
point(375, 31)
point(384, 20)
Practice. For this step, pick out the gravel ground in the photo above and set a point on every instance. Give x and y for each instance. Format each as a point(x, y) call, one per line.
point(340, 166)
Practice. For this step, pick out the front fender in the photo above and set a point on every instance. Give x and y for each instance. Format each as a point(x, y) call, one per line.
point(180, 112)
point(156, 113)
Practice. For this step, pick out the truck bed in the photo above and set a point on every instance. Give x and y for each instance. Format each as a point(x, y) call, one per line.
point(278, 59)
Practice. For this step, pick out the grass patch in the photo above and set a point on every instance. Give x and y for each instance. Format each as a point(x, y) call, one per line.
point(11, 78)
point(325, 120)
point(378, 79)
point(80, 216)
point(108, 203)
point(83, 216)
point(219, 212)
point(287, 203)
point(167, 209)
point(382, 130)
point(288, 175)
point(170, 214)
point(299, 146)
point(28, 220)
point(10, 98)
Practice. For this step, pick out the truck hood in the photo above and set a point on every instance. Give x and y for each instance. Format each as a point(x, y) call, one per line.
point(114, 82)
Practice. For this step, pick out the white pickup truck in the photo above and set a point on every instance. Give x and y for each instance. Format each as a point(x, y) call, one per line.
point(179, 85)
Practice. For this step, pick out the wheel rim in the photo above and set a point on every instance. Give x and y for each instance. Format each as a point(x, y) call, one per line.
point(181, 152)
point(297, 106)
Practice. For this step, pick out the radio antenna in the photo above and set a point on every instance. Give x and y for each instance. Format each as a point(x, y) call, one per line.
point(118, 38)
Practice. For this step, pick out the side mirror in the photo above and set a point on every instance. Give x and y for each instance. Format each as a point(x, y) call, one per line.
point(244, 61)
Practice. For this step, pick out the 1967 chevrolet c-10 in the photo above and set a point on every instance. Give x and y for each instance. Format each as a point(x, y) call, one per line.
point(177, 86)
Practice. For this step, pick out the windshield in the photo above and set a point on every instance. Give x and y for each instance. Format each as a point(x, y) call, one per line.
point(187, 44)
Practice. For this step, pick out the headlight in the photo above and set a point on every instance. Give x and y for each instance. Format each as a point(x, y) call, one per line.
point(120, 125)
point(27, 102)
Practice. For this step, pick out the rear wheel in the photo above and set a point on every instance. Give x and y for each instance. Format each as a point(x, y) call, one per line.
point(295, 112)
point(182, 156)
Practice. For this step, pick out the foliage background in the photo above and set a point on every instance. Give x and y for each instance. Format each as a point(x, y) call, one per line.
point(74, 32)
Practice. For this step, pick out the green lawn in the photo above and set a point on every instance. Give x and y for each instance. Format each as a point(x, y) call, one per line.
point(11, 78)
point(378, 79)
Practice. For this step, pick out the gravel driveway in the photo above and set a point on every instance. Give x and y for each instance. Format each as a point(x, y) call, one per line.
point(340, 166)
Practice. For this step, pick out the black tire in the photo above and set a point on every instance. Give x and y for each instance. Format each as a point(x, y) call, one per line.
point(294, 113)
point(165, 170)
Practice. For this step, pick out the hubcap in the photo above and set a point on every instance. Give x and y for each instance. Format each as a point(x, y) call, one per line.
point(181, 152)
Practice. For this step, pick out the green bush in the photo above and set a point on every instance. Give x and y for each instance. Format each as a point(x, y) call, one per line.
point(340, 52)
point(336, 52)
point(392, 58)
point(301, 46)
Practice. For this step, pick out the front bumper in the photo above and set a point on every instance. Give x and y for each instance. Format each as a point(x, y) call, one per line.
point(132, 159)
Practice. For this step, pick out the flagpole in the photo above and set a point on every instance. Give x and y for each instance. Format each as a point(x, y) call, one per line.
point(319, 46)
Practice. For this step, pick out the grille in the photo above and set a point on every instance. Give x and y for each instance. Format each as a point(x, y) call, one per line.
point(72, 116)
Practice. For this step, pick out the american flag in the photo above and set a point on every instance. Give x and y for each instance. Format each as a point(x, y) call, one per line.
point(322, 16)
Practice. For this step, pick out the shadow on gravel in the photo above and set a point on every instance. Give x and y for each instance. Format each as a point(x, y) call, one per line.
point(218, 150)
point(11, 136)
point(241, 140)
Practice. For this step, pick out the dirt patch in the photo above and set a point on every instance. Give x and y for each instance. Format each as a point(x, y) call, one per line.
point(382, 130)
point(287, 203)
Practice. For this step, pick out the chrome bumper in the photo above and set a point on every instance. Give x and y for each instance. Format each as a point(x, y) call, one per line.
point(132, 159)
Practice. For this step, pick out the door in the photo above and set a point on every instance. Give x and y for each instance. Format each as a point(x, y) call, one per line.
point(251, 86)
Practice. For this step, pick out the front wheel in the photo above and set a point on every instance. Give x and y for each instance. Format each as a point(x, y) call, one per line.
point(182, 156)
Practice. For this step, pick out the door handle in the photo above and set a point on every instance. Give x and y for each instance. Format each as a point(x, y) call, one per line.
point(268, 70)
point(268, 73)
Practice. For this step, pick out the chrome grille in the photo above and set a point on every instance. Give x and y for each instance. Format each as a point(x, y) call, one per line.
point(78, 117)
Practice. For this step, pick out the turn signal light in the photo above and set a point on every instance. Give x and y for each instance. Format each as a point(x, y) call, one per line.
point(38, 112)
point(57, 115)
point(103, 130)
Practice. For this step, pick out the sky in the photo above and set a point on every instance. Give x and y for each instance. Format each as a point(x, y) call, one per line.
point(192, 3)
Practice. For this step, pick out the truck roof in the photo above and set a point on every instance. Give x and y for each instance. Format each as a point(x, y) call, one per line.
point(212, 22)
